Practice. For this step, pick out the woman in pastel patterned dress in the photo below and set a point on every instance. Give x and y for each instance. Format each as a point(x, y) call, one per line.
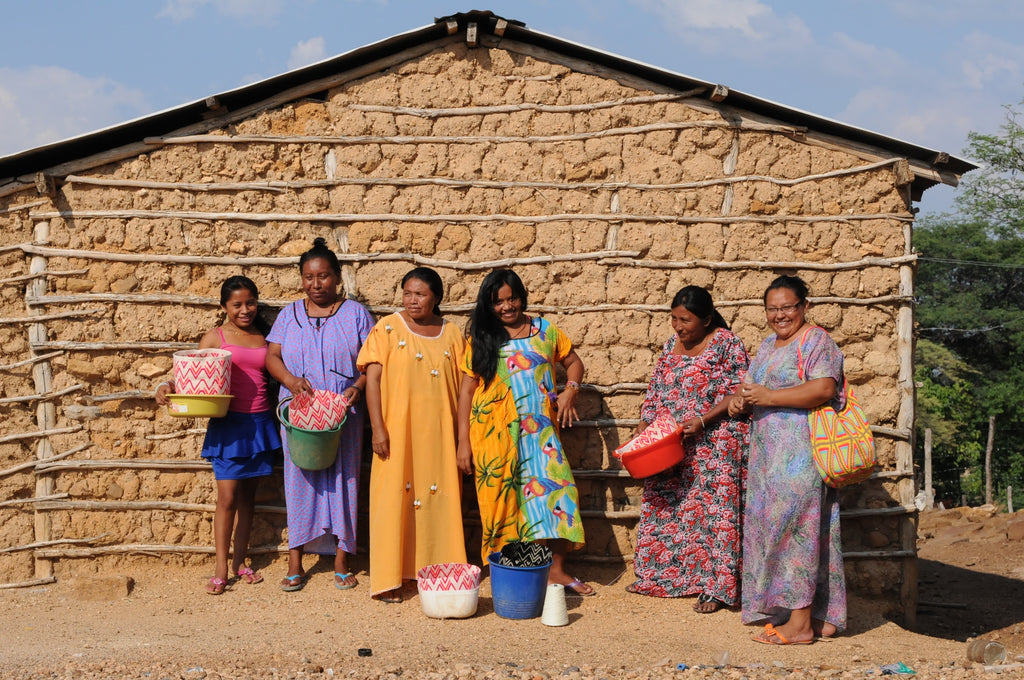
point(688, 539)
point(242, 445)
point(509, 417)
point(313, 346)
point(411, 360)
point(792, 556)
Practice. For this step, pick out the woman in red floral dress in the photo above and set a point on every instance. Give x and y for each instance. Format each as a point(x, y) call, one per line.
point(688, 539)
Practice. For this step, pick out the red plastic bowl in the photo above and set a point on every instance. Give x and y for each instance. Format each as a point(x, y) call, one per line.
point(654, 458)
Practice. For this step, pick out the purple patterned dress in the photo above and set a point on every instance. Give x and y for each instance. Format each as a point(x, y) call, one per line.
point(688, 539)
point(322, 503)
point(792, 557)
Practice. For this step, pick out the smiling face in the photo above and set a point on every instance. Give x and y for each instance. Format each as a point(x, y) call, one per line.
point(507, 308)
point(784, 312)
point(690, 328)
point(241, 308)
point(418, 300)
point(319, 282)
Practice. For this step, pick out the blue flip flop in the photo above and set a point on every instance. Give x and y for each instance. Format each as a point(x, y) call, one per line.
point(344, 577)
point(297, 582)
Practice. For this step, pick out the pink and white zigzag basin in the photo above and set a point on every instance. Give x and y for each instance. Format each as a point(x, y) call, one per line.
point(202, 371)
point(448, 576)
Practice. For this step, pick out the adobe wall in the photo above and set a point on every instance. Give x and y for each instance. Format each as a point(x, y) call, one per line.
point(579, 183)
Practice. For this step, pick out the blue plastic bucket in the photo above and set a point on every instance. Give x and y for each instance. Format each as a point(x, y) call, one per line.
point(517, 592)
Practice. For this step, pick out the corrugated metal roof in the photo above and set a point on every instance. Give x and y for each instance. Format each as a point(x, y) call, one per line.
point(25, 164)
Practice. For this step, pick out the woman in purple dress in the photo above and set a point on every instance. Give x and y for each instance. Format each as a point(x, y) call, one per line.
point(313, 346)
point(688, 539)
point(792, 558)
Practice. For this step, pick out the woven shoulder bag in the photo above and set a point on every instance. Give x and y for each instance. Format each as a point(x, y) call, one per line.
point(841, 441)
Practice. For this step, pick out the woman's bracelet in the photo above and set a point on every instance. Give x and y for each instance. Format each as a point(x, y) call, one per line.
point(357, 388)
point(702, 425)
point(573, 384)
point(166, 382)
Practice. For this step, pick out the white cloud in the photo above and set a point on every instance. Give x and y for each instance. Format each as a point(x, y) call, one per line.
point(307, 52)
point(985, 59)
point(257, 11)
point(45, 104)
point(746, 28)
point(857, 60)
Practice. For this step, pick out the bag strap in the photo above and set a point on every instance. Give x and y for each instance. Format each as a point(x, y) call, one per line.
point(800, 355)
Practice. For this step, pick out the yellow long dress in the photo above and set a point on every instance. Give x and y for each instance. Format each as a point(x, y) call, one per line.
point(415, 494)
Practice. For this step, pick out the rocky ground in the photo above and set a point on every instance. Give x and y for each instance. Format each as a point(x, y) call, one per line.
point(166, 627)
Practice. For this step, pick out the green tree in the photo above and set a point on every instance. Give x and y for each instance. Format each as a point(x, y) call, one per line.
point(970, 288)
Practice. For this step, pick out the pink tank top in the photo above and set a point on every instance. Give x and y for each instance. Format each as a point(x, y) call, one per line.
point(248, 377)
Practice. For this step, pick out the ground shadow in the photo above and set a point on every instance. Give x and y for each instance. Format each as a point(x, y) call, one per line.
point(957, 603)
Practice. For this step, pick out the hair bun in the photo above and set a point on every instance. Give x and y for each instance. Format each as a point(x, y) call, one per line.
point(319, 242)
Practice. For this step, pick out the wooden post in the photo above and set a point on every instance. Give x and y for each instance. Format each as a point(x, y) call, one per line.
point(988, 459)
point(46, 411)
point(929, 493)
point(1009, 499)
point(905, 490)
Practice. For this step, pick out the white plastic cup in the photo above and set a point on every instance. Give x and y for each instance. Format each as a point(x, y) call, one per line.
point(554, 612)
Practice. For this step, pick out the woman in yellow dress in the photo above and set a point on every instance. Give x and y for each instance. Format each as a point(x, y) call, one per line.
point(411, 360)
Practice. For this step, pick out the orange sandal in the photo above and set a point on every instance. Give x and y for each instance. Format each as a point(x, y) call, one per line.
point(769, 635)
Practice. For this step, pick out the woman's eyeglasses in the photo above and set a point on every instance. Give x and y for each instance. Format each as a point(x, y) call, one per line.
point(785, 309)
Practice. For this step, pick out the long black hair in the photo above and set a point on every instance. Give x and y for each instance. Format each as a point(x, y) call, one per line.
point(433, 281)
point(698, 302)
point(239, 282)
point(485, 329)
point(320, 251)
point(793, 283)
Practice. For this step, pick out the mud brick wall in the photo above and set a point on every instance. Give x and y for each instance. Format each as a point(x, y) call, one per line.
point(605, 193)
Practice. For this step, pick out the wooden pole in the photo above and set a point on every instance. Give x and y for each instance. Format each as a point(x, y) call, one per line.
point(1009, 499)
point(46, 411)
point(929, 494)
point(988, 459)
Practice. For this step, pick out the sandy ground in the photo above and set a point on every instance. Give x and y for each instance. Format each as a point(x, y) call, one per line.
point(971, 575)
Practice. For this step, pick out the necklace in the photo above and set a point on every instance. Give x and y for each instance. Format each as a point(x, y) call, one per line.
point(523, 331)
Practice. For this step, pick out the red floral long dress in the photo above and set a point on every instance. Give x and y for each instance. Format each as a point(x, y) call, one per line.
point(688, 539)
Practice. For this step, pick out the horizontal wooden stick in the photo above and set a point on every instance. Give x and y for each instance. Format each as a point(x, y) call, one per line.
point(280, 186)
point(89, 399)
point(42, 461)
point(527, 106)
point(176, 435)
point(51, 553)
point(138, 346)
point(39, 433)
point(843, 514)
point(453, 218)
point(30, 584)
point(614, 388)
point(46, 544)
point(146, 505)
point(23, 206)
point(38, 275)
point(35, 499)
point(123, 464)
point(32, 360)
point(146, 298)
point(349, 140)
point(48, 317)
point(762, 264)
point(37, 397)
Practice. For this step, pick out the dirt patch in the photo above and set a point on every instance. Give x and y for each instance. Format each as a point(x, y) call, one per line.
point(167, 627)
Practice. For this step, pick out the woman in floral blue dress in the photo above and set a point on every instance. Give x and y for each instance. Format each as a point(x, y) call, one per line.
point(792, 558)
point(688, 538)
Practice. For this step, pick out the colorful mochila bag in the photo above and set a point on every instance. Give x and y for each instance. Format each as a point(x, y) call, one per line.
point(841, 441)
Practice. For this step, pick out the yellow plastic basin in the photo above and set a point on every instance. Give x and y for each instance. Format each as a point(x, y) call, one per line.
point(199, 405)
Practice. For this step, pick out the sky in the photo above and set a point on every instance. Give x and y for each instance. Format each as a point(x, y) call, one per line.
point(924, 71)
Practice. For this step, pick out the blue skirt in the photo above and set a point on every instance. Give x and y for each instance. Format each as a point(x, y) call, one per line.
point(242, 445)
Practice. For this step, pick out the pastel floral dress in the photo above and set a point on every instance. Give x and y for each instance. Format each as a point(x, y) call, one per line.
point(792, 554)
point(524, 484)
point(688, 539)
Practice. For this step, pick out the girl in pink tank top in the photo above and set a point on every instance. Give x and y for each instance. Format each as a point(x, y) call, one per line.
point(242, 445)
